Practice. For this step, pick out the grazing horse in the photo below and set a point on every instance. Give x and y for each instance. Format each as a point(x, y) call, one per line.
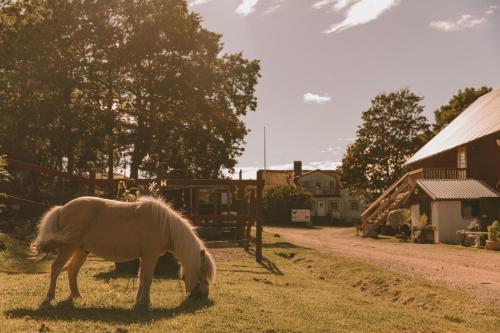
point(122, 231)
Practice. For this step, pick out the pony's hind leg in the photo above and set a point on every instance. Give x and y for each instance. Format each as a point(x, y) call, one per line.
point(146, 273)
point(64, 253)
point(76, 262)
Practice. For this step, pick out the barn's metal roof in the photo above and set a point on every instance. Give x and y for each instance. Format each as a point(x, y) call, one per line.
point(456, 189)
point(481, 118)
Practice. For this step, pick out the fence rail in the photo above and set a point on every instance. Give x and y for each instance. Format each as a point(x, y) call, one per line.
point(444, 173)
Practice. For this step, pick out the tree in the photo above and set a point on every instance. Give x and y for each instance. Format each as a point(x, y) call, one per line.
point(458, 103)
point(88, 85)
point(278, 202)
point(393, 129)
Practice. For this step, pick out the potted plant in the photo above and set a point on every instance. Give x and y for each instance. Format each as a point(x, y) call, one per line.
point(424, 232)
point(493, 242)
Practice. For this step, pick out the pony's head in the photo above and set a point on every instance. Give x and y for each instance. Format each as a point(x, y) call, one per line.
point(198, 282)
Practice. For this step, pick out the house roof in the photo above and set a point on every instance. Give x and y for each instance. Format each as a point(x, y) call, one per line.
point(480, 119)
point(277, 177)
point(331, 173)
point(456, 189)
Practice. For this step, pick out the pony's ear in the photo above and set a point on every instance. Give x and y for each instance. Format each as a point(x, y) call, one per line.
point(202, 253)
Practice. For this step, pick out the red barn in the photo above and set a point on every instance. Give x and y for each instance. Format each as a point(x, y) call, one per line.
point(454, 177)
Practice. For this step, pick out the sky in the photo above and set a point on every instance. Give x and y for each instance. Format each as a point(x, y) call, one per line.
point(323, 61)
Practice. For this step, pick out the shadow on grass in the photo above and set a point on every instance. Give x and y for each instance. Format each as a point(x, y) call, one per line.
point(267, 264)
point(65, 310)
point(280, 245)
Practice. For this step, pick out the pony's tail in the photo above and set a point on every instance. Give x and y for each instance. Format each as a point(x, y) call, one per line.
point(46, 239)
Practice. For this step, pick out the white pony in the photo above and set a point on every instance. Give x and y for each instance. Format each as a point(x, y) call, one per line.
point(122, 231)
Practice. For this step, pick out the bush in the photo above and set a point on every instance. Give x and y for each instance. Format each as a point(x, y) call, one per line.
point(278, 202)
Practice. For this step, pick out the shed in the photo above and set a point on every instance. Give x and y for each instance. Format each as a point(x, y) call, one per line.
point(451, 204)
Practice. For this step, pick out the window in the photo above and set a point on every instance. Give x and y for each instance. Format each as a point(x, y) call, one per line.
point(318, 184)
point(332, 184)
point(354, 205)
point(333, 205)
point(462, 158)
point(470, 209)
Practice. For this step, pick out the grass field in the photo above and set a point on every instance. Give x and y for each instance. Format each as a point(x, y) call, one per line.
point(296, 290)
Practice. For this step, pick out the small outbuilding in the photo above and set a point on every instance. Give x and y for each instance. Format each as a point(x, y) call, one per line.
point(452, 204)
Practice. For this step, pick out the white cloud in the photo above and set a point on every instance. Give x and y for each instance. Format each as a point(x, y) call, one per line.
point(331, 150)
point(491, 10)
point(276, 5)
point(246, 7)
point(337, 4)
point(322, 3)
point(465, 21)
point(310, 97)
point(193, 3)
point(361, 12)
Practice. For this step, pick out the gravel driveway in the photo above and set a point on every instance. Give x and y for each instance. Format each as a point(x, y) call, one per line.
point(477, 272)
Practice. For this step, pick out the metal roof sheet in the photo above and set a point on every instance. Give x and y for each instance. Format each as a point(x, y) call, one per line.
point(481, 118)
point(456, 189)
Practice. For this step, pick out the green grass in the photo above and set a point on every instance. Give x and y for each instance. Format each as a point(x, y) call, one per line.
point(296, 290)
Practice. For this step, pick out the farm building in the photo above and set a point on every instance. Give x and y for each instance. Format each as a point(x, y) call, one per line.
point(452, 179)
point(330, 201)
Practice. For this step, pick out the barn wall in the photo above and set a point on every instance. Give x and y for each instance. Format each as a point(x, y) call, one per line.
point(483, 160)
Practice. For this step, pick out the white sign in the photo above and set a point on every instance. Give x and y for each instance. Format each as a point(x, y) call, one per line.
point(301, 215)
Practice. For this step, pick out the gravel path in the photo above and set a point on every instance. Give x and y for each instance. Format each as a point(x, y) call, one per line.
point(475, 272)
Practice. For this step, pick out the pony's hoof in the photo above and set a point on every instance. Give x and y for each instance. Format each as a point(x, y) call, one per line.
point(142, 306)
point(46, 303)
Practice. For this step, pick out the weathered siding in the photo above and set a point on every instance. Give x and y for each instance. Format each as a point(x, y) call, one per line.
point(483, 160)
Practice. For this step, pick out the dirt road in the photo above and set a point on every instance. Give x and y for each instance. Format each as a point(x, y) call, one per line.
point(475, 272)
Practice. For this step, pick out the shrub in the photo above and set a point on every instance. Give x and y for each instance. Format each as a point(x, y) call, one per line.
point(494, 232)
point(278, 202)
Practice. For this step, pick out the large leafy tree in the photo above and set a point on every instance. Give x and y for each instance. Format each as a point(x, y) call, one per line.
point(87, 85)
point(393, 128)
point(458, 103)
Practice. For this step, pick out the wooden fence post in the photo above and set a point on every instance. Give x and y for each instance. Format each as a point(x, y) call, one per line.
point(92, 183)
point(260, 217)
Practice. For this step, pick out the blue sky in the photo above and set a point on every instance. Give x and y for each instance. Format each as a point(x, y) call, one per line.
point(324, 60)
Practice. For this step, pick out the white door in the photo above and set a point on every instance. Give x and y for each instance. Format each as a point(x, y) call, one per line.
point(321, 208)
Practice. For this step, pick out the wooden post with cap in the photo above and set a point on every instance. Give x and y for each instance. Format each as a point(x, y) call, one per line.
point(260, 217)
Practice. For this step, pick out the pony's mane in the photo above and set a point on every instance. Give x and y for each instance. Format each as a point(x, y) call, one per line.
point(186, 245)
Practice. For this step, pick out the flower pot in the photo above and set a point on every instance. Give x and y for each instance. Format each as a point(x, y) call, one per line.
point(492, 245)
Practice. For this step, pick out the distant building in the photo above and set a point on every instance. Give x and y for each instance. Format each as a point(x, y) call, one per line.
point(330, 201)
point(452, 179)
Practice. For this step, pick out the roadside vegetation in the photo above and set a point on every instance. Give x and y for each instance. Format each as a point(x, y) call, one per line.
point(278, 202)
point(295, 290)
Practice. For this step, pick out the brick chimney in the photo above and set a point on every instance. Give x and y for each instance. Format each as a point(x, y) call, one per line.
point(297, 168)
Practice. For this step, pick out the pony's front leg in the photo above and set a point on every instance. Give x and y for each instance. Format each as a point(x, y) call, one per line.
point(75, 264)
point(63, 255)
point(146, 273)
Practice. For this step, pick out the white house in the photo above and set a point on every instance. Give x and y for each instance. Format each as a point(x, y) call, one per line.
point(330, 201)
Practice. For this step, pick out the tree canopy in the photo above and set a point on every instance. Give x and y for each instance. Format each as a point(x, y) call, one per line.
point(91, 85)
point(392, 129)
point(458, 103)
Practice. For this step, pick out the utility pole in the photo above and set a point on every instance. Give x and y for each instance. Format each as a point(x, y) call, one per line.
point(265, 162)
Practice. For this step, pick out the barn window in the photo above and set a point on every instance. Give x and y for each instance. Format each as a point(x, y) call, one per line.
point(462, 158)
